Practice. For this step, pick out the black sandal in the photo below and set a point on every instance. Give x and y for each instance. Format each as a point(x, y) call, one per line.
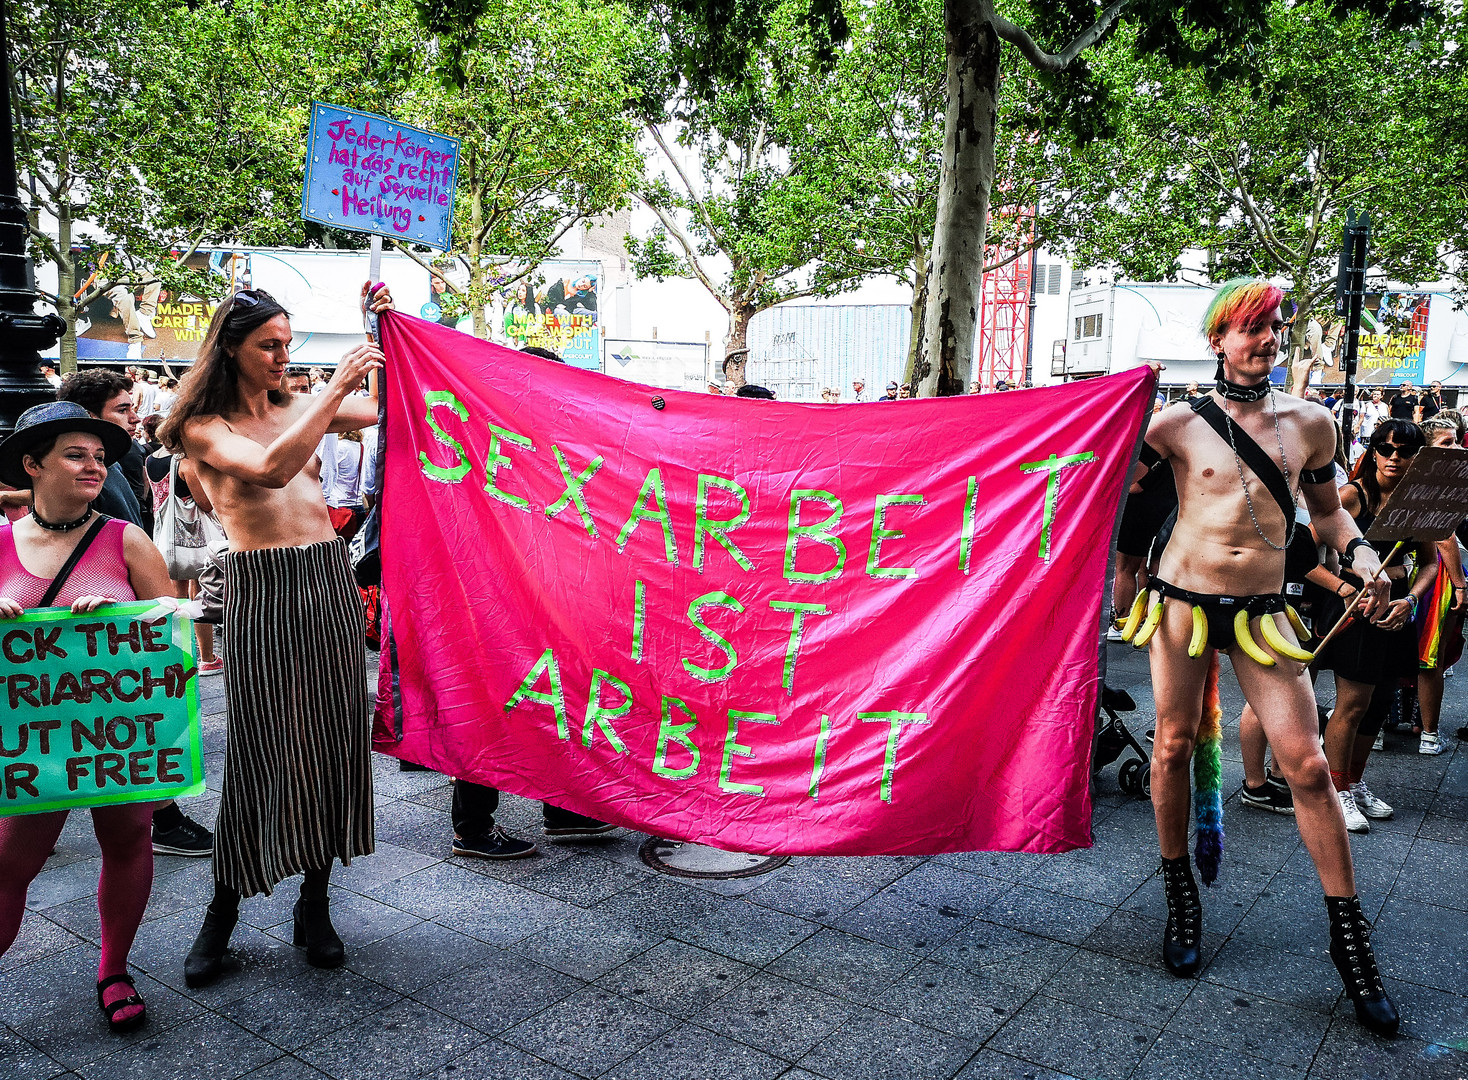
point(132, 1023)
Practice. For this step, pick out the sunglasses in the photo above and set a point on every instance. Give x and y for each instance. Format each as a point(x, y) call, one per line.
point(248, 298)
point(1388, 449)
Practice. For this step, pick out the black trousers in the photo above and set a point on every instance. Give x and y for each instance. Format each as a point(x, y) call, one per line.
point(475, 804)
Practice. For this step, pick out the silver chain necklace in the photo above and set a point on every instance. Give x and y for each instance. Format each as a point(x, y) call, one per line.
point(1285, 463)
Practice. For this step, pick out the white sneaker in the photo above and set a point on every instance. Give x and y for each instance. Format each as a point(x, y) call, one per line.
point(1380, 741)
point(1355, 820)
point(145, 324)
point(1448, 672)
point(1114, 634)
point(1370, 805)
point(1429, 743)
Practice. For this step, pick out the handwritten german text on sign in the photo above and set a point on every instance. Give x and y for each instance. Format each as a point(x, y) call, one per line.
point(369, 174)
point(97, 709)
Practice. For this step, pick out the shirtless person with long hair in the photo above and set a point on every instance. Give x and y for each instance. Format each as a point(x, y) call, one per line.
point(297, 772)
point(1219, 583)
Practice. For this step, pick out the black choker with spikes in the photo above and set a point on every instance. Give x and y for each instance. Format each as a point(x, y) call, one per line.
point(61, 526)
point(1233, 391)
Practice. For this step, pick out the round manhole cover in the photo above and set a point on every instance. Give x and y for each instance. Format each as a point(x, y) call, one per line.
point(700, 861)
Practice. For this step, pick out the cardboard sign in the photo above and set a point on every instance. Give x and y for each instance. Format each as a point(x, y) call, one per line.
point(366, 173)
point(768, 626)
point(97, 709)
point(1430, 501)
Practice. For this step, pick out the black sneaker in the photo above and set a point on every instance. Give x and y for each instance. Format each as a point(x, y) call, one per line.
point(1268, 797)
point(1274, 780)
point(495, 844)
point(569, 824)
point(188, 838)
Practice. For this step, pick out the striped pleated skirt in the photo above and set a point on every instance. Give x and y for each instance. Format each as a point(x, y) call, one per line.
point(298, 767)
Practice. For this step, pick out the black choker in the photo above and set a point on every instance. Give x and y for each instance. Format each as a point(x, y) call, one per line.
point(1234, 392)
point(61, 526)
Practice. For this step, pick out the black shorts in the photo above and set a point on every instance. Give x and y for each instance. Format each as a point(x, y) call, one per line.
point(1143, 517)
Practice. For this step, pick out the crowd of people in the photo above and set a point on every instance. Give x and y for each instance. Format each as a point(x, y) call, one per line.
point(1245, 509)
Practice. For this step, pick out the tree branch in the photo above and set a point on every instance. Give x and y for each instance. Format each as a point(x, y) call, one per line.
point(1054, 63)
point(693, 197)
point(690, 252)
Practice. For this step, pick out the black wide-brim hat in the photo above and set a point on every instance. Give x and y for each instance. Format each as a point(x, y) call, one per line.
point(43, 423)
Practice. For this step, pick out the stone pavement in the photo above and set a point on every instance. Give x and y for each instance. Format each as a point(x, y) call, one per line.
point(582, 962)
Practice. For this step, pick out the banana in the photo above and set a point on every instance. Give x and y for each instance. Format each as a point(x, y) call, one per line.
point(1134, 619)
point(1246, 641)
point(1154, 619)
point(1301, 630)
point(1200, 633)
point(1281, 644)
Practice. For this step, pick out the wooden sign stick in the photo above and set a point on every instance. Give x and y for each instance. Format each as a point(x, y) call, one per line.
point(1351, 607)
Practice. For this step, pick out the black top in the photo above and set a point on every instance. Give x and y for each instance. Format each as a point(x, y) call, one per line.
point(157, 468)
point(1404, 407)
point(133, 466)
point(1432, 404)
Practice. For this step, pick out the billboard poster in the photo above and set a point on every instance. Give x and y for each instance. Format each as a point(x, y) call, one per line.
point(557, 310)
point(1393, 342)
point(668, 365)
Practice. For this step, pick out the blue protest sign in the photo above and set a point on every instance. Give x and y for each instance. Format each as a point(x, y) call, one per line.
point(366, 173)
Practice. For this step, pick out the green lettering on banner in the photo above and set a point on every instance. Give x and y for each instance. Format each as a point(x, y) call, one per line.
point(1052, 465)
point(718, 530)
point(555, 697)
point(598, 715)
point(120, 725)
point(966, 541)
point(880, 532)
point(797, 632)
point(818, 762)
point(495, 461)
point(820, 532)
point(889, 759)
point(678, 733)
point(639, 619)
point(733, 748)
point(575, 482)
point(432, 399)
point(712, 636)
point(652, 488)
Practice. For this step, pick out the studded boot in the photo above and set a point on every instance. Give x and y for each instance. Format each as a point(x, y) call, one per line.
point(1182, 939)
point(1350, 950)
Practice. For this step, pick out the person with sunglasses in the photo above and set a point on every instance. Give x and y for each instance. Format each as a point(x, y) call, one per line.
point(297, 792)
point(1374, 652)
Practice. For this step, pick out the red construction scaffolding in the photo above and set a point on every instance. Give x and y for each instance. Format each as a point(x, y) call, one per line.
point(1002, 339)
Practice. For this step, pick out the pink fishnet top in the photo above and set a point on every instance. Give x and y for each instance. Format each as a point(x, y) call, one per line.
point(102, 571)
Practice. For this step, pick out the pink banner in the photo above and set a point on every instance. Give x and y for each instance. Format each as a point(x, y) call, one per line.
point(775, 628)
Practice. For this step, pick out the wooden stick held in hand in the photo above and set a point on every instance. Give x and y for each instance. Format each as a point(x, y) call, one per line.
point(1351, 607)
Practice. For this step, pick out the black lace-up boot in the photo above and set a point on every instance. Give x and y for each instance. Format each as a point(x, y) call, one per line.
point(1350, 949)
point(1182, 939)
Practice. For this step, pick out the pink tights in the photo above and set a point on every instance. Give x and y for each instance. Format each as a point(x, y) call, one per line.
point(125, 836)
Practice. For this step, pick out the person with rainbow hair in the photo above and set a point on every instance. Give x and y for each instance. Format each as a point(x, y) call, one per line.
point(1244, 459)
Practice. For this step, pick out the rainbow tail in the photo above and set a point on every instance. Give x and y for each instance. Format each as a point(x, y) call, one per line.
point(1207, 781)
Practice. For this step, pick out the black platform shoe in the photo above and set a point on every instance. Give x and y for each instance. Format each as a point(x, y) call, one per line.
point(1182, 939)
point(314, 932)
point(1350, 950)
point(206, 959)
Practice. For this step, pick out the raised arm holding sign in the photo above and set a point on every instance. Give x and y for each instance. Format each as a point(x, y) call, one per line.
point(85, 722)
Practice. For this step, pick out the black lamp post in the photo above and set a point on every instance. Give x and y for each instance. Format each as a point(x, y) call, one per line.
point(23, 333)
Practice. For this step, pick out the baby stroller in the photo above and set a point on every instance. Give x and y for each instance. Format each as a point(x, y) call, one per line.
point(1113, 739)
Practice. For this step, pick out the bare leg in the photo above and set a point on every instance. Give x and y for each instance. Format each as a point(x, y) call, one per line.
point(1124, 584)
point(1430, 697)
point(1285, 703)
point(1177, 687)
point(1253, 744)
point(202, 630)
point(1351, 702)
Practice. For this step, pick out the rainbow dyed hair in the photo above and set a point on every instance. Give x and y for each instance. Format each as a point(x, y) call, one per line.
point(1241, 301)
point(1208, 780)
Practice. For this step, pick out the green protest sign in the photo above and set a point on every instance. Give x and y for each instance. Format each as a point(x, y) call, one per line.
point(97, 709)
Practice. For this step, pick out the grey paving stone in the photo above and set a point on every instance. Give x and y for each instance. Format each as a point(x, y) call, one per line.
point(257, 959)
point(677, 978)
point(1348, 1051)
point(416, 957)
point(846, 966)
point(19, 1060)
point(582, 879)
point(992, 1065)
point(387, 863)
point(746, 932)
point(1249, 1024)
point(1047, 914)
point(1120, 988)
point(1004, 953)
point(498, 992)
point(510, 914)
point(1412, 944)
point(777, 1016)
point(1105, 874)
point(65, 883)
point(208, 1046)
point(1294, 980)
point(907, 917)
point(1225, 903)
point(500, 1061)
point(691, 1053)
point(417, 828)
point(438, 890)
point(1428, 1015)
point(1010, 866)
point(960, 1003)
point(586, 945)
point(1437, 875)
point(590, 1031)
point(315, 1003)
point(1061, 1036)
point(38, 936)
point(661, 905)
point(404, 1040)
point(873, 1046)
point(359, 920)
point(286, 1068)
point(1131, 936)
point(815, 892)
point(1177, 1057)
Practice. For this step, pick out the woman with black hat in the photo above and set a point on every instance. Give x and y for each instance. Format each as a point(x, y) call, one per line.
point(61, 452)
